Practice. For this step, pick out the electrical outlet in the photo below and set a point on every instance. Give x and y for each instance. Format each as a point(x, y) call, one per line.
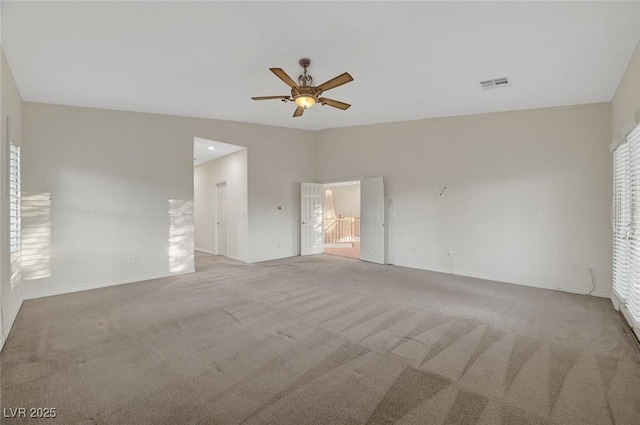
point(134, 259)
point(450, 253)
point(279, 244)
point(415, 250)
point(574, 267)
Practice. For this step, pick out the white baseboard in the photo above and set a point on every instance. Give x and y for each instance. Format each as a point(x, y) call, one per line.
point(632, 323)
point(515, 281)
point(103, 284)
point(615, 301)
point(619, 305)
point(241, 260)
point(7, 327)
point(231, 257)
point(262, 260)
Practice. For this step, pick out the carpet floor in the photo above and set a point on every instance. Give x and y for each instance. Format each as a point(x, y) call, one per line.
point(321, 340)
point(352, 251)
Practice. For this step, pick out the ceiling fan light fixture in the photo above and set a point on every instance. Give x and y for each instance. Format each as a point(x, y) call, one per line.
point(305, 94)
point(305, 101)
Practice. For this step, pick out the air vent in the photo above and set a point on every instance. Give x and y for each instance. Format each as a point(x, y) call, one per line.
point(496, 82)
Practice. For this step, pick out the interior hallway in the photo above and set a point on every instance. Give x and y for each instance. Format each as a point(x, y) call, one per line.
point(322, 340)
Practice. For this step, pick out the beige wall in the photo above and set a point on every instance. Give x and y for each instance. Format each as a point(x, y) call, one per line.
point(10, 106)
point(625, 107)
point(278, 159)
point(113, 179)
point(231, 169)
point(110, 175)
point(528, 192)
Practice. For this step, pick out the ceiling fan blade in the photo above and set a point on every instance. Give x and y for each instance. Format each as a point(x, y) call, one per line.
point(284, 77)
point(298, 112)
point(286, 96)
point(335, 82)
point(334, 103)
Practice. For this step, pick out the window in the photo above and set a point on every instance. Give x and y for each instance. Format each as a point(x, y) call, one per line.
point(626, 225)
point(14, 199)
point(633, 287)
point(621, 220)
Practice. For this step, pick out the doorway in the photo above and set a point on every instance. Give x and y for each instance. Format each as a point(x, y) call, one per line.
point(341, 216)
point(369, 230)
point(222, 218)
point(220, 190)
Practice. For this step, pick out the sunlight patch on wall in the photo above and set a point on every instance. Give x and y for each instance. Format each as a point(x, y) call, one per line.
point(36, 235)
point(16, 270)
point(180, 236)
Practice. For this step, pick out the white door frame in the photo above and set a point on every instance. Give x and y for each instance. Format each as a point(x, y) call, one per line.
point(376, 221)
point(218, 218)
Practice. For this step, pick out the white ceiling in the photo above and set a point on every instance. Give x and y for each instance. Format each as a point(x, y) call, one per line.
point(202, 152)
point(410, 60)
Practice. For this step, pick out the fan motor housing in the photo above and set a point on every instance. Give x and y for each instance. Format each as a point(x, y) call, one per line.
point(309, 91)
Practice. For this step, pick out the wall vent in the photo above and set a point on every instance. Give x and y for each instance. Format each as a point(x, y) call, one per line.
point(496, 82)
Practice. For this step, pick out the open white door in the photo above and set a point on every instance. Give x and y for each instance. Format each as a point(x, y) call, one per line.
point(372, 220)
point(311, 231)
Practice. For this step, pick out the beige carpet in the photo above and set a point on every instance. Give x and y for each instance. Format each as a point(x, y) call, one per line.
point(352, 251)
point(321, 340)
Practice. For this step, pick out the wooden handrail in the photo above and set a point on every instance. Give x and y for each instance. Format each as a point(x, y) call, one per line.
point(341, 229)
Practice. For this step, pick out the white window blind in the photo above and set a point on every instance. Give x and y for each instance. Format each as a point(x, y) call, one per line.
point(633, 287)
point(621, 220)
point(14, 199)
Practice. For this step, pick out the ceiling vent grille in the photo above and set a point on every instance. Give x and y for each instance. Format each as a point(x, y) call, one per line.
point(496, 82)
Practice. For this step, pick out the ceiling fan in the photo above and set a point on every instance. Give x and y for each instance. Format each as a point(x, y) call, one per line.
point(304, 93)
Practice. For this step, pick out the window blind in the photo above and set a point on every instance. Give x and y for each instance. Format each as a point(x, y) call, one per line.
point(621, 220)
point(633, 287)
point(14, 199)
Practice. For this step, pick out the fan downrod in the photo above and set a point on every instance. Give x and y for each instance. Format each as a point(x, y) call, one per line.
point(305, 79)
